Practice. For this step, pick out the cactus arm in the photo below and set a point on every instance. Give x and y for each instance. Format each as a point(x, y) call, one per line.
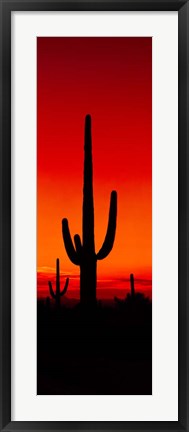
point(51, 290)
point(65, 287)
point(111, 229)
point(78, 244)
point(72, 254)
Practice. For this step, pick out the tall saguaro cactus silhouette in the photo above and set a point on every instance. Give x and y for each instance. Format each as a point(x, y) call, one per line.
point(58, 294)
point(83, 253)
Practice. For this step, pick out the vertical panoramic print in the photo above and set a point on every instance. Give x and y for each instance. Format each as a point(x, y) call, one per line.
point(94, 215)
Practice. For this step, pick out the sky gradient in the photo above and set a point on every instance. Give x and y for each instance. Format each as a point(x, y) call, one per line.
point(111, 79)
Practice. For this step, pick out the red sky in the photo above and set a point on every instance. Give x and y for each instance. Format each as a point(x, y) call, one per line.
point(111, 79)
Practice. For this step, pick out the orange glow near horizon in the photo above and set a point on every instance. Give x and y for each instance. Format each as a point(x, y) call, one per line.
point(111, 79)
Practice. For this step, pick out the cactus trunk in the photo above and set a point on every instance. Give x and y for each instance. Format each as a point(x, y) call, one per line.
point(88, 264)
point(88, 204)
point(88, 282)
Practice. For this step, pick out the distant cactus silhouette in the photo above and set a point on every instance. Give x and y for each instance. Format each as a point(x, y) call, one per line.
point(132, 285)
point(58, 294)
point(83, 254)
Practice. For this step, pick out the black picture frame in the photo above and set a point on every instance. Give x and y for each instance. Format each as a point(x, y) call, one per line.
point(6, 7)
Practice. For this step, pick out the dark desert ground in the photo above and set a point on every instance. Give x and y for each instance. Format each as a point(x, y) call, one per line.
point(102, 350)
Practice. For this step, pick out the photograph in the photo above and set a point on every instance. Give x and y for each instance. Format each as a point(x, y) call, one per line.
point(94, 215)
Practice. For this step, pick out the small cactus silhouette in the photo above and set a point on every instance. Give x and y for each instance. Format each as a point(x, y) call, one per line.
point(132, 285)
point(58, 294)
point(83, 253)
